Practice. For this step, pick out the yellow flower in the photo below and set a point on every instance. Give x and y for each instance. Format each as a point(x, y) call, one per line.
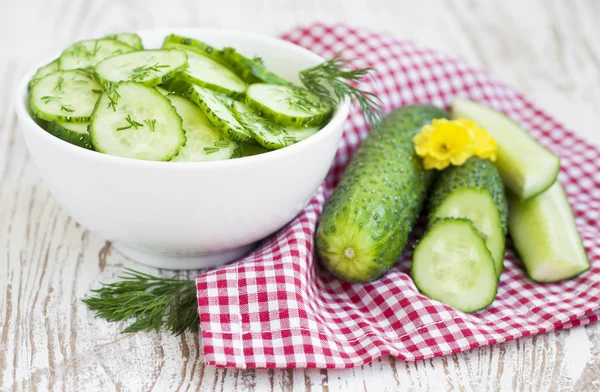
point(484, 145)
point(443, 143)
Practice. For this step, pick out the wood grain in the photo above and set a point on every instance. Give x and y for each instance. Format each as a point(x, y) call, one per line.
point(48, 339)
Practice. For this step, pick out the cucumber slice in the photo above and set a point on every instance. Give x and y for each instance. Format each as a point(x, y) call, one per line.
point(452, 264)
point(184, 43)
point(136, 121)
point(251, 71)
point(474, 191)
point(545, 236)
point(217, 108)
point(204, 141)
point(249, 150)
point(151, 67)
point(43, 71)
point(162, 90)
point(526, 167)
point(302, 133)
point(74, 133)
point(65, 96)
point(130, 39)
point(86, 54)
point(286, 105)
point(208, 73)
point(268, 134)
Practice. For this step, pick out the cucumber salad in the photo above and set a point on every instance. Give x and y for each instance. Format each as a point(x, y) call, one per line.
point(184, 102)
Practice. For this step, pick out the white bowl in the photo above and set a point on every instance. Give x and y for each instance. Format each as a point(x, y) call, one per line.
point(182, 215)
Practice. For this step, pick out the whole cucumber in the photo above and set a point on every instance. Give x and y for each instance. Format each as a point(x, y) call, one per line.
point(367, 221)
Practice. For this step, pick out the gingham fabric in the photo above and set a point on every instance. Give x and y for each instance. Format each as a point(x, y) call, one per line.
point(278, 308)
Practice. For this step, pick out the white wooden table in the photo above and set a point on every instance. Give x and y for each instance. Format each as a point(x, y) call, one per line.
point(550, 50)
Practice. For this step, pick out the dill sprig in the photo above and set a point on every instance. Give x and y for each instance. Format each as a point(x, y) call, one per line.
point(337, 75)
point(113, 96)
point(134, 124)
point(143, 71)
point(154, 302)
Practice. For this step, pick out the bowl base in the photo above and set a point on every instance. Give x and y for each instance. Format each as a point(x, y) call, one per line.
point(181, 262)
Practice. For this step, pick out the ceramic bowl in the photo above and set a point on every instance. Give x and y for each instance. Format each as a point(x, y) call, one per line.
point(182, 215)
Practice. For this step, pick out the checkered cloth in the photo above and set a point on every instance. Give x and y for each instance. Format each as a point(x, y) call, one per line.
point(278, 308)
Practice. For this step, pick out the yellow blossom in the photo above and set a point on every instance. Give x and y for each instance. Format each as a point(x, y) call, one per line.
point(443, 143)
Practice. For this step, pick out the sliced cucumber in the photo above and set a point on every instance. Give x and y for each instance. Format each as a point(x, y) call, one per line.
point(545, 236)
point(208, 73)
point(86, 54)
point(452, 264)
point(286, 105)
point(162, 90)
point(268, 134)
point(184, 43)
point(204, 141)
point(43, 71)
point(151, 67)
point(74, 133)
point(130, 39)
point(474, 191)
point(217, 108)
point(136, 121)
point(526, 167)
point(302, 133)
point(65, 96)
point(249, 150)
point(252, 71)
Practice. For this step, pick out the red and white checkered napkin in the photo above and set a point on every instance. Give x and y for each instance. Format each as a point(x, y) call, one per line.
point(278, 308)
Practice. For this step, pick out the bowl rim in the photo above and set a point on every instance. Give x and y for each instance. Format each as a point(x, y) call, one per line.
point(337, 120)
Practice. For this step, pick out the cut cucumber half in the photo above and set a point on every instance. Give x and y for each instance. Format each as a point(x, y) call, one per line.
point(136, 121)
point(452, 265)
point(65, 96)
point(545, 236)
point(268, 134)
point(208, 73)
point(217, 108)
point(74, 133)
point(184, 43)
point(151, 67)
point(286, 105)
point(474, 191)
point(86, 54)
point(204, 141)
point(249, 150)
point(43, 71)
point(252, 71)
point(130, 39)
point(526, 167)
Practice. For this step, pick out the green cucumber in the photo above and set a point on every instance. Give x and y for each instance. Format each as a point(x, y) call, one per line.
point(252, 71)
point(249, 150)
point(151, 67)
point(130, 39)
point(287, 105)
point(173, 41)
point(217, 108)
point(204, 141)
point(208, 73)
point(74, 133)
point(268, 134)
point(366, 223)
point(136, 121)
point(65, 96)
point(43, 71)
point(526, 167)
point(452, 264)
point(86, 54)
point(474, 191)
point(545, 236)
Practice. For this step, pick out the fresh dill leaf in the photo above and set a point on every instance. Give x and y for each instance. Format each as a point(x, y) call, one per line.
point(258, 60)
point(222, 143)
point(49, 98)
point(96, 91)
point(67, 108)
point(211, 150)
point(154, 302)
point(113, 96)
point(336, 74)
point(151, 124)
point(59, 83)
point(143, 71)
point(123, 128)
